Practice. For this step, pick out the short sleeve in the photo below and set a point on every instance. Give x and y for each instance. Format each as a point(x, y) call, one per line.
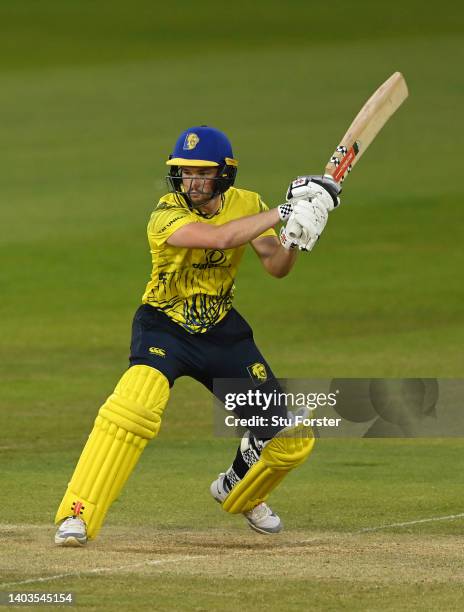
point(165, 220)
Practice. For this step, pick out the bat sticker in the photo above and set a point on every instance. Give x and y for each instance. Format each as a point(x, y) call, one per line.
point(345, 162)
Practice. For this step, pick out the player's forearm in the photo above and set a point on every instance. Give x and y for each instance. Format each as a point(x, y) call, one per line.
point(280, 262)
point(227, 236)
point(238, 232)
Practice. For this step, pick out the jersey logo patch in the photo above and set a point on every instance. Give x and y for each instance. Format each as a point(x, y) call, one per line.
point(215, 258)
point(257, 372)
point(191, 141)
point(154, 350)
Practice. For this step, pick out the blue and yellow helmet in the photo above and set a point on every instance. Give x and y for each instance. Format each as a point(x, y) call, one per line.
point(203, 146)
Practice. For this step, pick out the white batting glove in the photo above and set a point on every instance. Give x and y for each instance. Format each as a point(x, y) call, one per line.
point(287, 242)
point(312, 216)
point(306, 223)
point(308, 187)
point(285, 210)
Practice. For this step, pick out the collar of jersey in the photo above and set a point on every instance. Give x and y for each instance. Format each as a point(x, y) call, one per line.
point(219, 210)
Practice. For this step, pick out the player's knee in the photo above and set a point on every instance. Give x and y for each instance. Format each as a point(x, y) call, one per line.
point(138, 401)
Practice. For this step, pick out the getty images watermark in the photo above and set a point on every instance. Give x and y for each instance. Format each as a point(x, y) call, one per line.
point(278, 408)
point(340, 407)
point(267, 407)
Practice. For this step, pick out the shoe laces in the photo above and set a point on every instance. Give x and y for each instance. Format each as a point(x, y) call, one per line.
point(260, 511)
point(72, 520)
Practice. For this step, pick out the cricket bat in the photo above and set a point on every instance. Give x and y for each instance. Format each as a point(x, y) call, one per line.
point(366, 125)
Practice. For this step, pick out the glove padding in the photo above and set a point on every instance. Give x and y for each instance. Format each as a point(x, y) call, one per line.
point(285, 241)
point(305, 225)
point(308, 187)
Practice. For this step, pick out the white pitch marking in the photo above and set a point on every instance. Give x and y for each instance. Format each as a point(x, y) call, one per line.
point(99, 570)
point(450, 517)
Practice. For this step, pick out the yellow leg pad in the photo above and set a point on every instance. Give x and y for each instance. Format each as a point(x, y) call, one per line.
point(279, 456)
point(129, 418)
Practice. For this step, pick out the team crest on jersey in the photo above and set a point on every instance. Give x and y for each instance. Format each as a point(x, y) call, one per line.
point(154, 350)
point(258, 373)
point(191, 141)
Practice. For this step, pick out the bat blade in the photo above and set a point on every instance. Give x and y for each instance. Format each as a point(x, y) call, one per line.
point(366, 125)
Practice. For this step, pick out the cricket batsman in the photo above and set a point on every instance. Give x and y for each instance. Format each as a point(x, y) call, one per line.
point(187, 326)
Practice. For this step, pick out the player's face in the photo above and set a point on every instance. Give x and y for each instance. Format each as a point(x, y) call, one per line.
point(198, 183)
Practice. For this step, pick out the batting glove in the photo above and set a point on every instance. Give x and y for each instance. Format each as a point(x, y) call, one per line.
point(285, 241)
point(285, 210)
point(307, 223)
point(308, 187)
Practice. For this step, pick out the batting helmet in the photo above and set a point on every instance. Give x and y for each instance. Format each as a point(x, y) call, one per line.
point(202, 146)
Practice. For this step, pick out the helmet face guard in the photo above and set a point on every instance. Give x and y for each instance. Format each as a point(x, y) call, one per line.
point(225, 178)
point(203, 147)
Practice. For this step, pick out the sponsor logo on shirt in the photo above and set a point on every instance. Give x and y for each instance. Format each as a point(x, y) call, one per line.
point(215, 258)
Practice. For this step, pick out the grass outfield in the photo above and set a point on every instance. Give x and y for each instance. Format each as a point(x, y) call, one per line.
point(168, 545)
point(91, 102)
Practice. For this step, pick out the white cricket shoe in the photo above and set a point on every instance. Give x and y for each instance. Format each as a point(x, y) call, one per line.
point(217, 488)
point(263, 520)
point(71, 532)
point(260, 518)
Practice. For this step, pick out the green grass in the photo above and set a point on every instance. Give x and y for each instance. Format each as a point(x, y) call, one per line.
point(167, 545)
point(346, 485)
point(92, 97)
